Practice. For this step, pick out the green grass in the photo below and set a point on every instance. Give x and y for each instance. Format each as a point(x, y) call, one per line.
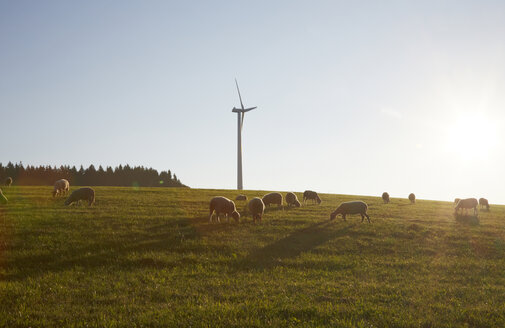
point(149, 257)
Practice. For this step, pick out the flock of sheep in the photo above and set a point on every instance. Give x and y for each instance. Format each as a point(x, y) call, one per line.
point(222, 205)
point(62, 188)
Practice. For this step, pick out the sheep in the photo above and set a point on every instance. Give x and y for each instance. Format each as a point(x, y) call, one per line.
point(456, 200)
point(412, 198)
point(3, 199)
point(272, 198)
point(8, 181)
point(81, 194)
point(241, 197)
point(61, 187)
point(466, 204)
point(257, 208)
point(309, 194)
point(385, 197)
point(291, 199)
point(484, 202)
point(221, 204)
point(355, 207)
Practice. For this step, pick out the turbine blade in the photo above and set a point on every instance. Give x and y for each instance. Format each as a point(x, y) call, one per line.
point(240, 97)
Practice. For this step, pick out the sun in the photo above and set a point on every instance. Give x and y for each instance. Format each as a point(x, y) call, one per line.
point(472, 135)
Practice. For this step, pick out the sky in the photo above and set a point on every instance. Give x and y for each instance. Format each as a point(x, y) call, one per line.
point(354, 97)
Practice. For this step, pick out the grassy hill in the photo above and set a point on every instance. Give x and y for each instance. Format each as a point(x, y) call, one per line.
point(149, 257)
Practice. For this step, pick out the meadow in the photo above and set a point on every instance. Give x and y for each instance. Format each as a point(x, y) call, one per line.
point(147, 257)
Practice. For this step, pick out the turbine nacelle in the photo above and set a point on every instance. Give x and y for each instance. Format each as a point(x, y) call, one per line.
point(242, 110)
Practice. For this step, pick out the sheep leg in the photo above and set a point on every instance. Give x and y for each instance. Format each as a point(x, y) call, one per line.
point(362, 218)
point(343, 216)
point(368, 218)
point(210, 217)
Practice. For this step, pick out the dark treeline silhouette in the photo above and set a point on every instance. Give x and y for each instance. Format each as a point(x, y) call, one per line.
point(118, 176)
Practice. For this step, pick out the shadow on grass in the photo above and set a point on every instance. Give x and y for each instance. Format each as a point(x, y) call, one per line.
point(202, 225)
point(169, 237)
point(273, 208)
point(298, 242)
point(467, 219)
point(406, 204)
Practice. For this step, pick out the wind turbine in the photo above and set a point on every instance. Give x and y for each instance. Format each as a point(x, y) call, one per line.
point(240, 116)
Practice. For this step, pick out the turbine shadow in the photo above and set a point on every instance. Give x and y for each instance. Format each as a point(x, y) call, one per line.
point(298, 242)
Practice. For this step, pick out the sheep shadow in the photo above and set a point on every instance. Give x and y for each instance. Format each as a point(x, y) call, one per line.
point(204, 226)
point(291, 208)
point(467, 219)
point(298, 242)
point(274, 208)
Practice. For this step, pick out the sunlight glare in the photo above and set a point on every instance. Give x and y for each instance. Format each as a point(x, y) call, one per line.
point(472, 136)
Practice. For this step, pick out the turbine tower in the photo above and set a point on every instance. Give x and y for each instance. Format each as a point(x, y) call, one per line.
point(240, 121)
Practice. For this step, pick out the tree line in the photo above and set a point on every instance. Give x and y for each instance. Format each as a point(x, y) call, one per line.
point(137, 176)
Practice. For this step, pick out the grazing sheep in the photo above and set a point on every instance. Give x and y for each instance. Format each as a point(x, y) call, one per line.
point(412, 198)
point(81, 194)
point(466, 204)
point(291, 199)
point(223, 205)
point(456, 200)
point(8, 181)
point(355, 207)
point(272, 198)
point(385, 197)
point(61, 187)
point(484, 202)
point(241, 197)
point(257, 208)
point(309, 194)
point(3, 199)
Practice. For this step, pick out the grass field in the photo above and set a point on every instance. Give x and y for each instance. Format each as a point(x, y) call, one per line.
point(149, 257)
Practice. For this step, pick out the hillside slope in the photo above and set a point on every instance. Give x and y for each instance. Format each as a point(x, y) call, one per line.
point(149, 257)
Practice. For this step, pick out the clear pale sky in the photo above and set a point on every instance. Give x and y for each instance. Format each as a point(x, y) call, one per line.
point(354, 97)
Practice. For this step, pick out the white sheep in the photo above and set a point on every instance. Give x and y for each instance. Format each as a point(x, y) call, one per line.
point(241, 197)
point(61, 187)
point(291, 199)
point(272, 198)
point(466, 204)
point(81, 194)
point(412, 198)
point(257, 208)
point(385, 197)
point(309, 194)
point(220, 204)
point(484, 202)
point(354, 207)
